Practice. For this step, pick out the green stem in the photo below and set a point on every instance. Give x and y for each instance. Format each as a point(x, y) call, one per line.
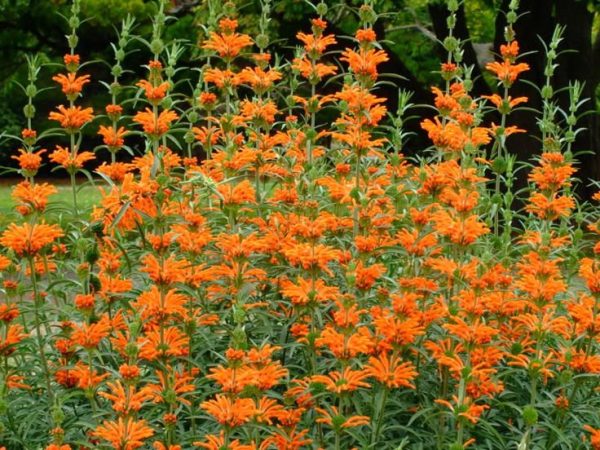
point(38, 326)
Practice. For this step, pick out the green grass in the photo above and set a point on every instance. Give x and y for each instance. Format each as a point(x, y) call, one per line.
point(87, 196)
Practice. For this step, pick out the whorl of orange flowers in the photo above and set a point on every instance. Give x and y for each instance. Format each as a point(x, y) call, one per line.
point(228, 43)
point(72, 118)
point(27, 239)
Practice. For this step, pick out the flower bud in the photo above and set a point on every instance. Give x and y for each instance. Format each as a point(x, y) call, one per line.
point(530, 415)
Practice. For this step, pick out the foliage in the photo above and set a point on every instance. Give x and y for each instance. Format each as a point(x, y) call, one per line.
point(263, 268)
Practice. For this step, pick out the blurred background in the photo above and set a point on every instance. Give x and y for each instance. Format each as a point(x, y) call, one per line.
point(410, 30)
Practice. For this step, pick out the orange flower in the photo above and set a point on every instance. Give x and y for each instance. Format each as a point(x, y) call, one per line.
point(112, 138)
point(126, 399)
point(474, 332)
point(347, 381)
point(220, 78)
point(227, 44)
point(504, 105)
point(390, 371)
point(14, 335)
point(69, 162)
point(125, 434)
point(230, 412)
point(27, 239)
point(236, 194)
point(32, 197)
point(312, 70)
point(553, 172)
point(72, 118)
point(167, 271)
point(71, 61)
point(306, 292)
point(550, 208)
point(367, 276)
point(334, 419)
point(113, 111)
point(594, 437)
point(259, 79)
point(451, 137)
point(154, 305)
point(316, 44)
point(71, 84)
point(589, 270)
point(154, 93)
point(258, 111)
point(155, 126)
point(166, 342)
point(507, 72)
point(8, 312)
point(364, 63)
point(89, 336)
point(460, 230)
point(365, 35)
point(29, 162)
point(161, 446)
point(85, 377)
point(173, 383)
point(213, 442)
point(310, 256)
point(468, 409)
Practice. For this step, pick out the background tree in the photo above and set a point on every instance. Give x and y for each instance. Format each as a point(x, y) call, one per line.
point(411, 30)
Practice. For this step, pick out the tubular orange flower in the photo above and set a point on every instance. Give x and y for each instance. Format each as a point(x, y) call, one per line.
point(334, 419)
point(311, 70)
point(213, 442)
point(157, 306)
point(550, 208)
point(126, 399)
point(85, 377)
point(463, 231)
point(115, 171)
point(14, 335)
point(32, 197)
point(112, 138)
point(506, 71)
point(155, 126)
point(167, 342)
point(72, 118)
point(71, 61)
point(27, 239)
point(259, 79)
point(71, 84)
point(505, 105)
point(154, 93)
point(306, 291)
point(468, 409)
point(227, 44)
point(65, 158)
point(594, 436)
point(364, 62)
point(553, 172)
point(316, 44)
point(29, 162)
point(260, 111)
point(89, 336)
point(124, 434)
point(230, 412)
point(173, 383)
point(390, 371)
point(347, 381)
